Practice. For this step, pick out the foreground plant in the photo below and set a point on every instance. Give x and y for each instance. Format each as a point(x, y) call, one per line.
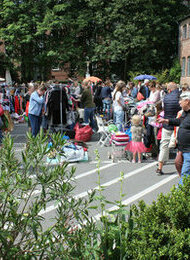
point(26, 190)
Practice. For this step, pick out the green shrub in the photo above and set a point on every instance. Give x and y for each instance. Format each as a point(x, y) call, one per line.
point(162, 230)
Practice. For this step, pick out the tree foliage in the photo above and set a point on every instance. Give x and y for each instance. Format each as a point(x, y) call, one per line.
point(116, 36)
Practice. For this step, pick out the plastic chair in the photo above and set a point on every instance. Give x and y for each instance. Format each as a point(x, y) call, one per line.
point(105, 135)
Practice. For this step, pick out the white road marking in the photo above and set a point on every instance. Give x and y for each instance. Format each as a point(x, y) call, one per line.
point(93, 171)
point(15, 135)
point(140, 194)
point(79, 176)
point(106, 162)
point(19, 149)
point(109, 183)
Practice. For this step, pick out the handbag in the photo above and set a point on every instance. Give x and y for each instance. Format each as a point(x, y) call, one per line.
point(1, 110)
point(140, 96)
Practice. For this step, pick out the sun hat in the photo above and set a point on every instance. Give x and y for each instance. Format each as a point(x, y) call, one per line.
point(185, 95)
point(146, 81)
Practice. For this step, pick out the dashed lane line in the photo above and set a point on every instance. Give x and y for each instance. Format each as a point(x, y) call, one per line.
point(141, 194)
point(85, 193)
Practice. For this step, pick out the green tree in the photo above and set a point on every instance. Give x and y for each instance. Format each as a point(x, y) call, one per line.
point(137, 34)
point(117, 36)
point(71, 30)
point(18, 29)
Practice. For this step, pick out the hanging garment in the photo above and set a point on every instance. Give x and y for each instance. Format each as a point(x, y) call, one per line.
point(54, 106)
point(17, 107)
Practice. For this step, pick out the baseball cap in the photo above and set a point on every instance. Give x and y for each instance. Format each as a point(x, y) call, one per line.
point(185, 95)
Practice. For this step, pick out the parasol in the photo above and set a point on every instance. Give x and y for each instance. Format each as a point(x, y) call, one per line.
point(143, 77)
point(93, 79)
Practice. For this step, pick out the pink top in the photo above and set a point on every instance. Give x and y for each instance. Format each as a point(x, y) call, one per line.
point(155, 124)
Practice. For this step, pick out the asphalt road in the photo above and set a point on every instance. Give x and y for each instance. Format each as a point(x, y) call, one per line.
point(140, 180)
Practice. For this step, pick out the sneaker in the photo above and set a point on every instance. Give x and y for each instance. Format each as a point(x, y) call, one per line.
point(139, 161)
point(159, 172)
point(133, 161)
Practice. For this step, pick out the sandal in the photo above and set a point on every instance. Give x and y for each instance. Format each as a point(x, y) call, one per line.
point(159, 172)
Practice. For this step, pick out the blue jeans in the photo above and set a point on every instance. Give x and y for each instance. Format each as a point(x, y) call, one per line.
point(44, 123)
point(119, 119)
point(107, 105)
point(35, 122)
point(185, 171)
point(89, 114)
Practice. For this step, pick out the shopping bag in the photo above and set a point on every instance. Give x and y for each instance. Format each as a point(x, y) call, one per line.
point(140, 96)
point(83, 133)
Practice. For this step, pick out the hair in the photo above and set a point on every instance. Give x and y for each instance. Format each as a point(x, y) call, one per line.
point(85, 83)
point(159, 108)
point(159, 86)
point(75, 82)
point(119, 86)
point(30, 85)
point(131, 84)
point(33, 86)
point(152, 84)
point(136, 119)
point(185, 87)
point(42, 87)
point(171, 86)
point(108, 82)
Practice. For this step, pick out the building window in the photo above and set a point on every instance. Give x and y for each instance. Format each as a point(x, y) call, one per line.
point(56, 67)
point(188, 66)
point(183, 67)
point(184, 31)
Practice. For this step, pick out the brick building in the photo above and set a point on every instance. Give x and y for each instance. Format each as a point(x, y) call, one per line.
point(184, 49)
point(60, 74)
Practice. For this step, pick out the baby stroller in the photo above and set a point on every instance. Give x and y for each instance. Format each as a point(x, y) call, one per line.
point(118, 142)
point(131, 109)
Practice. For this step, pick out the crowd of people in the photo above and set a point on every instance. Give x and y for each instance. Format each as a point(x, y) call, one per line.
point(171, 105)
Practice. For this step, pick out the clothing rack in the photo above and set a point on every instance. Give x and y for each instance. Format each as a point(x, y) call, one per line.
point(61, 126)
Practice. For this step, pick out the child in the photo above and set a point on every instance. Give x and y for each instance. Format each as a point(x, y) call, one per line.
point(159, 114)
point(136, 146)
